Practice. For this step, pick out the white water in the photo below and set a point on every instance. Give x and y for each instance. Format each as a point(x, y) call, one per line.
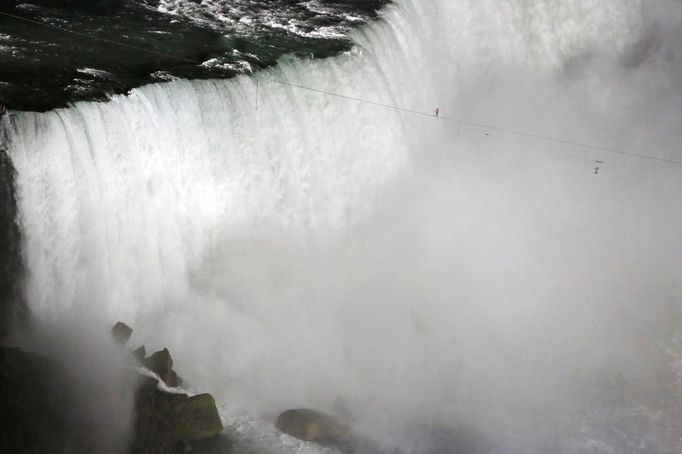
point(458, 287)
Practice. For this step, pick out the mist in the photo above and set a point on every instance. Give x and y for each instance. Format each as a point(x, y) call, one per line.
point(452, 285)
point(90, 388)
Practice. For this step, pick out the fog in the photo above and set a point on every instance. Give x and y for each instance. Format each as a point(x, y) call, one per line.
point(91, 384)
point(480, 282)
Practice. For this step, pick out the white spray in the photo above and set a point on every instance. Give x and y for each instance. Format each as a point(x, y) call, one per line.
point(454, 285)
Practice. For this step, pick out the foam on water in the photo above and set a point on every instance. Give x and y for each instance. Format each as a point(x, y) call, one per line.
point(454, 286)
point(300, 18)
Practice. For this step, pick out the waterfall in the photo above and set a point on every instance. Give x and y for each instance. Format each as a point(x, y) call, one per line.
point(293, 247)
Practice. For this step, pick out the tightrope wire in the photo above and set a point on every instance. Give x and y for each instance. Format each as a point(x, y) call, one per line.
point(366, 101)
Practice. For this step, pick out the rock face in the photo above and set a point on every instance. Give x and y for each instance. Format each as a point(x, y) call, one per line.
point(166, 422)
point(121, 332)
point(12, 307)
point(312, 425)
point(169, 422)
point(36, 406)
point(161, 363)
point(153, 426)
point(196, 418)
point(45, 409)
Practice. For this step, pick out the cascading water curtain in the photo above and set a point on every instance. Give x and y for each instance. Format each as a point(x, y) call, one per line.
point(459, 282)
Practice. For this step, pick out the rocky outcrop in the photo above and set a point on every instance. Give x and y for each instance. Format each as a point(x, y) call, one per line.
point(312, 425)
point(153, 429)
point(36, 406)
point(12, 307)
point(161, 363)
point(46, 409)
point(196, 418)
point(169, 422)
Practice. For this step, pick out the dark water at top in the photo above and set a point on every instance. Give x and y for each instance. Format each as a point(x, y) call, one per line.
point(42, 68)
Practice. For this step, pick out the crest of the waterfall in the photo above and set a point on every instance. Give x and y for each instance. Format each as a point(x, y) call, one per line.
point(454, 284)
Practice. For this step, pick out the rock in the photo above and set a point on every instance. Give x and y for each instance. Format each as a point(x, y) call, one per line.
point(153, 426)
point(197, 418)
point(172, 379)
point(140, 353)
point(170, 422)
point(220, 444)
point(44, 409)
point(312, 425)
point(161, 363)
point(39, 410)
point(121, 332)
point(14, 312)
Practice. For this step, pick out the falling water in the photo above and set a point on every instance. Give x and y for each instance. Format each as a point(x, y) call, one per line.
point(456, 284)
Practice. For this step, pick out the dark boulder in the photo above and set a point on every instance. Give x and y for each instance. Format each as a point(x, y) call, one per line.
point(153, 428)
point(161, 363)
point(121, 332)
point(171, 422)
point(312, 425)
point(196, 418)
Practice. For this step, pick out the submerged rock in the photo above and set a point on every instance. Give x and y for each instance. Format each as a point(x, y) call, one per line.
point(312, 425)
point(121, 332)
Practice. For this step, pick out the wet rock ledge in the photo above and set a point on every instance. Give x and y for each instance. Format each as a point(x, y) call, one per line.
point(167, 422)
point(39, 410)
point(12, 307)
